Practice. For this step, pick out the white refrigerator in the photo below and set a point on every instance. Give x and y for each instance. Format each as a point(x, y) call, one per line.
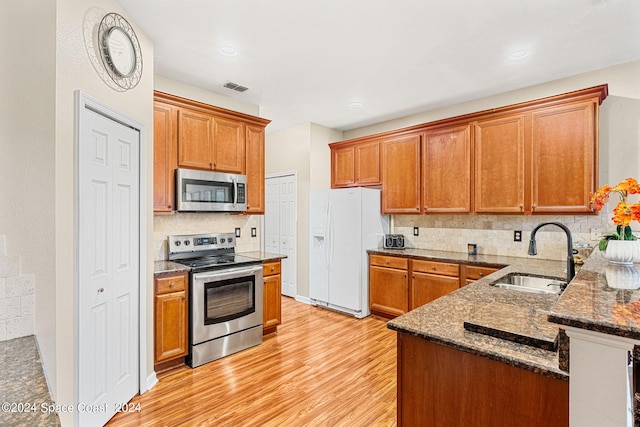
point(344, 223)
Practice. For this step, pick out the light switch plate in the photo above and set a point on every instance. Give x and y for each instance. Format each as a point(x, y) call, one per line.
point(416, 231)
point(237, 232)
point(254, 233)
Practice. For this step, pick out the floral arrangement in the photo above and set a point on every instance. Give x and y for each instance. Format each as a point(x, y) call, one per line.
point(623, 213)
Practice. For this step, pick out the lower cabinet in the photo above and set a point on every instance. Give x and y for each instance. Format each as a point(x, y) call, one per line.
point(388, 285)
point(431, 280)
point(471, 273)
point(171, 321)
point(272, 297)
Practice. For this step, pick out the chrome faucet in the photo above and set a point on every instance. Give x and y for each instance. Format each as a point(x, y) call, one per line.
point(571, 267)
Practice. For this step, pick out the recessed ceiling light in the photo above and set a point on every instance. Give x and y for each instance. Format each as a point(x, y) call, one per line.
point(355, 104)
point(517, 55)
point(228, 51)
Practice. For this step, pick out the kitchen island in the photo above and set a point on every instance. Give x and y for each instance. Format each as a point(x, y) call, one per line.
point(451, 376)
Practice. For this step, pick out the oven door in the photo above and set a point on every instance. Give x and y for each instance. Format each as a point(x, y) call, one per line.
point(225, 301)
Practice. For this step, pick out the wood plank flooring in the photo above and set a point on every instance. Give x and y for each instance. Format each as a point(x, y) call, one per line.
point(321, 369)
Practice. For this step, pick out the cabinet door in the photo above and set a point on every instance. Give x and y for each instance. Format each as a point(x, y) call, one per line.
point(195, 148)
point(254, 169)
point(171, 326)
point(367, 163)
point(228, 145)
point(401, 175)
point(499, 160)
point(564, 158)
point(343, 167)
point(272, 296)
point(388, 291)
point(428, 287)
point(165, 147)
point(446, 170)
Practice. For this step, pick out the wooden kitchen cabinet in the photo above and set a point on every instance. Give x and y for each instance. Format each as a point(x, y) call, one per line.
point(500, 164)
point(210, 143)
point(355, 165)
point(401, 174)
point(446, 169)
point(164, 156)
point(471, 273)
point(564, 147)
point(170, 319)
point(431, 280)
point(193, 135)
point(254, 167)
point(272, 297)
point(388, 285)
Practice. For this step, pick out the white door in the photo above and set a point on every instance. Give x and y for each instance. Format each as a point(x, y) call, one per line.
point(108, 265)
point(280, 226)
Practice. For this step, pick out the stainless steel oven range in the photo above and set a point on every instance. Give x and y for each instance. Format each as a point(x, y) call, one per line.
point(225, 296)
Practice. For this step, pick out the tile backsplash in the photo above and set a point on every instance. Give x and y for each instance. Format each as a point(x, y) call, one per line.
point(494, 233)
point(195, 223)
point(16, 297)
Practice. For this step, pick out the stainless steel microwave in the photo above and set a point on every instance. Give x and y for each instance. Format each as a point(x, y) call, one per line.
point(204, 191)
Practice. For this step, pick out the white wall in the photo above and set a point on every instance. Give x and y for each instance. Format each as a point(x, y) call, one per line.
point(74, 71)
point(320, 155)
point(27, 102)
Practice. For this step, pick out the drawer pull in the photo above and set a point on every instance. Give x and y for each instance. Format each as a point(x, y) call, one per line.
point(171, 285)
point(273, 268)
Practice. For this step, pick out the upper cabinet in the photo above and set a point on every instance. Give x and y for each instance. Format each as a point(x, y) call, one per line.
point(401, 174)
point(499, 164)
point(564, 145)
point(209, 142)
point(164, 156)
point(355, 165)
point(536, 157)
point(192, 135)
point(446, 169)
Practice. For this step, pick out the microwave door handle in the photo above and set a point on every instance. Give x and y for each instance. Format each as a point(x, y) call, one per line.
point(235, 191)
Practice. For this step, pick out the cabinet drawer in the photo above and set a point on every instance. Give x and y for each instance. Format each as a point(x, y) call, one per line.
point(475, 272)
point(389, 261)
point(442, 268)
point(169, 284)
point(270, 268)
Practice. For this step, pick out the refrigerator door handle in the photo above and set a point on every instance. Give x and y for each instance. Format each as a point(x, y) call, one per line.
point(326, 235)
point(329, 237)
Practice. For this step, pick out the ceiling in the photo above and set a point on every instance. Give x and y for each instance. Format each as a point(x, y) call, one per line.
point(308, 60)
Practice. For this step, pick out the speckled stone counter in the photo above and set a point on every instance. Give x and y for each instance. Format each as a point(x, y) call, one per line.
point(443, 320)
point(163, 267)
point(597, 299)
point(263, 256)
point(22, 382)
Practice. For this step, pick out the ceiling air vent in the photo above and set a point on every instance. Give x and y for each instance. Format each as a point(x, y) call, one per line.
point(234, 86)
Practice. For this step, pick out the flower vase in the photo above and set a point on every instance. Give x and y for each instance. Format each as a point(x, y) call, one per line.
point(624, 252)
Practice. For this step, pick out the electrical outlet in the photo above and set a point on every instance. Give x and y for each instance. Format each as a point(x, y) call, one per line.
point(237, 232)
point(517, 235)
point(416, 231)
point(254, 233)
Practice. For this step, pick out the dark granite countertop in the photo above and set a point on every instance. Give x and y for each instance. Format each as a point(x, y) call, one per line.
point(263, 256)
point(164, 267)
point(443, 319)
point(600, 299)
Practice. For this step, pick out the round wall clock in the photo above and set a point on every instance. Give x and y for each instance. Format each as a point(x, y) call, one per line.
point(120, 51)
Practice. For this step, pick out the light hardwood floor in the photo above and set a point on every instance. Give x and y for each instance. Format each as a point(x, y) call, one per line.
point(321, 369)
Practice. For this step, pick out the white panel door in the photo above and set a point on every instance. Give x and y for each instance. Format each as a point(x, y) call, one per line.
point(280, 226)
point(108, 265)
point(288, 225)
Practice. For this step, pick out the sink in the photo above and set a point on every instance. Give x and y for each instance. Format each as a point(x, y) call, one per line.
point(533, 284)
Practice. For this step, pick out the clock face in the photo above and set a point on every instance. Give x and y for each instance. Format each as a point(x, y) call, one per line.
point(121, 51)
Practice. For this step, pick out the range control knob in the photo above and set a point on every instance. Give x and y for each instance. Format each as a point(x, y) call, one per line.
point(187, 243)
point(177, 243)
point(230, 239)
point(222, 240)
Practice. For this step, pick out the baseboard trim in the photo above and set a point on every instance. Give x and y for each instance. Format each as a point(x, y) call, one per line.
point(152, 380)
point(305, 300)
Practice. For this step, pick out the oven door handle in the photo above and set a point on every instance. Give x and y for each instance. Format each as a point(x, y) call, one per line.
point(236, 272)
point(235, 191)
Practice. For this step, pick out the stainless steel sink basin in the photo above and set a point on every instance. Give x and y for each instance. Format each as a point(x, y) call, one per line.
point(523, 283)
